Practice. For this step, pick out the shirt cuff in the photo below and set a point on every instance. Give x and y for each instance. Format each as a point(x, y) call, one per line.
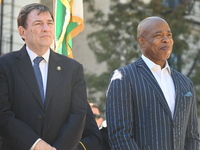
point(33, 147)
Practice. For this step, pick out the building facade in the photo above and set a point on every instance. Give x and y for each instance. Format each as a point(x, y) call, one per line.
point(11, 41)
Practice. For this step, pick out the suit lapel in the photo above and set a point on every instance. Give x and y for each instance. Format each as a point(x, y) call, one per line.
point(150, 79)
point(24, 66)
point(54, 71)
point(177, 87)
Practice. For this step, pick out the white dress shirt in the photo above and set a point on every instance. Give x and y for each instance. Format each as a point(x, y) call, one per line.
point(44, 70)
point(43, 65)
point(164, 79)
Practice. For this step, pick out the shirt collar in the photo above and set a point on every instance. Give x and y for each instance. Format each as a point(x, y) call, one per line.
point(151, 64)
point(33, 55)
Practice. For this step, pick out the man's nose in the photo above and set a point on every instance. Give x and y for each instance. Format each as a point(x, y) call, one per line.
point(45, 27)
point(166, 39)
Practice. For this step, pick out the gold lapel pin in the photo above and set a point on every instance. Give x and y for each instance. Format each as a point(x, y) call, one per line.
point(58, 68)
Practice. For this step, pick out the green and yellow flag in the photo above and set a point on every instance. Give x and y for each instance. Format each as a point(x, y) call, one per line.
point(69, 23)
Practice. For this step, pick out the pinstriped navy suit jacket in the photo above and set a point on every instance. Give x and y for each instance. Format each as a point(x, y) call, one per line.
point(138, 115)
point(60, 121)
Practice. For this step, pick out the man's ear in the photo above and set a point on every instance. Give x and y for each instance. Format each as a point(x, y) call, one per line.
point(140, 41)
point(21, 31)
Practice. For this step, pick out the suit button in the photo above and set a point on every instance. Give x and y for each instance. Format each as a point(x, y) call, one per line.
point(40, 116)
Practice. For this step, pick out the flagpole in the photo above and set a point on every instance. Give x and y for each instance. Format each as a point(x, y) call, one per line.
point(11, 28)
point(54, 14)
point(54, 1)
point(1, 28)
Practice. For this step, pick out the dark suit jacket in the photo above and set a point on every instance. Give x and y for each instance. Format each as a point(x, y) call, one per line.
point(91, 133)
point(105, 143)
point(23, 116)
point(138, 115)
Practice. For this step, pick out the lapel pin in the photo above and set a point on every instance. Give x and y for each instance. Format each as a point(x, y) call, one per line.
point(58, 68)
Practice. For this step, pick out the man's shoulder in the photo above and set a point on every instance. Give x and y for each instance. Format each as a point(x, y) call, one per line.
point(66, 59)
point(9, 54)
point(8, 57)
point(179, 75)
point(132, 66)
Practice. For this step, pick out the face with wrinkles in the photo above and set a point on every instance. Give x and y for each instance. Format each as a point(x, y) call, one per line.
point(39, 31)
point(155, 39)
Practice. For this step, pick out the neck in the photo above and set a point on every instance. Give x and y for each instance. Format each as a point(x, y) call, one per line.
point(39, 50)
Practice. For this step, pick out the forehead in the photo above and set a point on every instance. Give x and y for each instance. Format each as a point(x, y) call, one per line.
point(152, 25)
point(157, 26)
point(36, 15)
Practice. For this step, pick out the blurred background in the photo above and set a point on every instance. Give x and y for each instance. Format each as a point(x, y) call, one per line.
point(108, 40)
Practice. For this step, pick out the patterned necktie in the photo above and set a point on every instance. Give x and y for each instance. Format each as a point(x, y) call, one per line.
point(38, 75)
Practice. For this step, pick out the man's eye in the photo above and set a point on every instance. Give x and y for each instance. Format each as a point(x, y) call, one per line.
point(170, 35)
point(157, 35)
point(37, 23)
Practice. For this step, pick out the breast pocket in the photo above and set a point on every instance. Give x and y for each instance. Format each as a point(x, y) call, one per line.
point(186, 103)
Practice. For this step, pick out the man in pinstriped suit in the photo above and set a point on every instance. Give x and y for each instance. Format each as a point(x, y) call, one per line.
point(150, 106)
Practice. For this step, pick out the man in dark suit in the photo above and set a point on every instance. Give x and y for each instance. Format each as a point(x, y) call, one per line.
point(54, 115)
point(151, 106)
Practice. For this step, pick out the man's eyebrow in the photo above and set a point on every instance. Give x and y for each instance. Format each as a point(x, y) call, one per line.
point(50, 20)
point(161, 32)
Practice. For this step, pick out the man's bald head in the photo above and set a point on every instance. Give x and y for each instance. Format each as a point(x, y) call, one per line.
point(146, 25)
